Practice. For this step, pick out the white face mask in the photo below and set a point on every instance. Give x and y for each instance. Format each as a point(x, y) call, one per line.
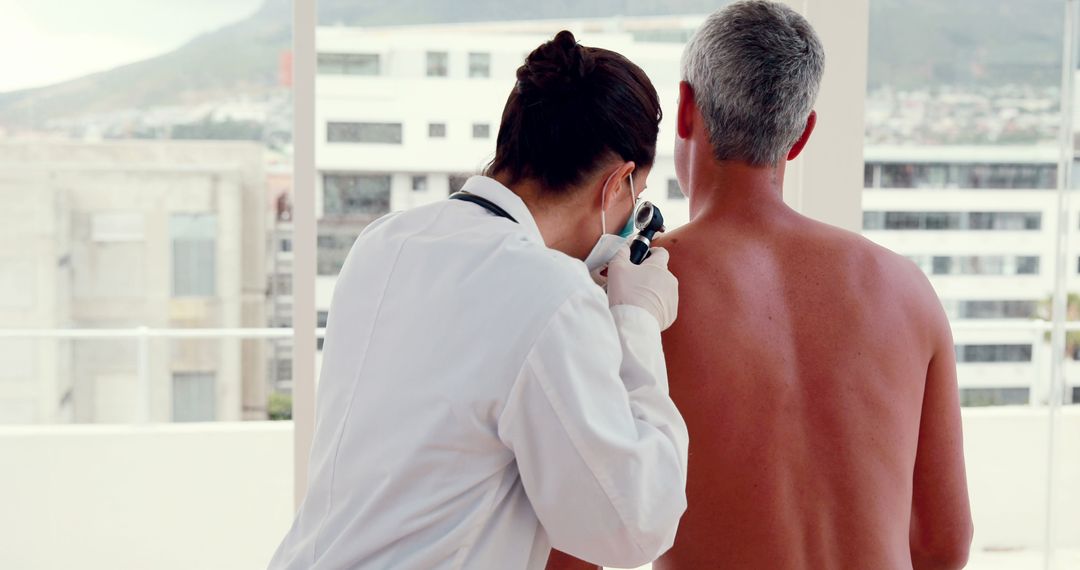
point(608, 244)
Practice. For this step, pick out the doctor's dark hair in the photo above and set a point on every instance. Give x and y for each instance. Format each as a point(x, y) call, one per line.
point(572, 107)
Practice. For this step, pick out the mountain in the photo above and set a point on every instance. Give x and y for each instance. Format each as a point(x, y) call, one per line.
point(912, 43)
point(239, 58)
point(965, 42)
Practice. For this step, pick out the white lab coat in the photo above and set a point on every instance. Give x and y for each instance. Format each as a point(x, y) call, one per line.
point(479, 403)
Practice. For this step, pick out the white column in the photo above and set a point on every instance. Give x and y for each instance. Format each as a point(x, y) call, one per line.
point(303, 410)
point(826, 182)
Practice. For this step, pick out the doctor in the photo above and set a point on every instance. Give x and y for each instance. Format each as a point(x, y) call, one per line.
point(481, 399)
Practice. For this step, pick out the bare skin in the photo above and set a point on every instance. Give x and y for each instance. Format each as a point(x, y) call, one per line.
point(816, 373)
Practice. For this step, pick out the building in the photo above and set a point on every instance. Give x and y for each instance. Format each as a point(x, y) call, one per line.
point(279, 270)
point(982, 223)
point(120, 235)
point(381, 145)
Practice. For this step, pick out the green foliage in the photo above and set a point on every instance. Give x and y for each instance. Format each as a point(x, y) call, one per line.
point(228, 130)
point(280, 407)
point(1072, 313)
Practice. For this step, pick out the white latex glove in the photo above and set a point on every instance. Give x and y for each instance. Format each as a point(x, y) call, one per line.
point(649, 285)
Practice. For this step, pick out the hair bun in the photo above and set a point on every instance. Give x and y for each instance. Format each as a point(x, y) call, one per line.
point(556, 67)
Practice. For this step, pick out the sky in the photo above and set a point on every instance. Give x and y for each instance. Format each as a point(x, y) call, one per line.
point(48, 41)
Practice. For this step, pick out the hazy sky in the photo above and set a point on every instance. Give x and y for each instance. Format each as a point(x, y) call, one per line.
point(46, 41)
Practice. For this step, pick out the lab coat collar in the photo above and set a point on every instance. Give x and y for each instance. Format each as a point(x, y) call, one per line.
point(505, 198)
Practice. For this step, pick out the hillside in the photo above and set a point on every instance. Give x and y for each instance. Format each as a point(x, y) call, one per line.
point(965, 42)
point(912, 43)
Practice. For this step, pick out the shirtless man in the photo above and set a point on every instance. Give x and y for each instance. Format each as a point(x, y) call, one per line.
point(815, 370)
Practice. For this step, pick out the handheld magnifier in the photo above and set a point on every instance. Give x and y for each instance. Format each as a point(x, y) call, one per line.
point(648, 222)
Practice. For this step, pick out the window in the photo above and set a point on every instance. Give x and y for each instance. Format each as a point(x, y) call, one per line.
point(420, 183)
point(194, 255)
point(320, 319)
point(436, 130)
point(985, 265)
point(283, 370)
point(1005, 221)
point(964, 176)
point(942, 220)
point(193, 397)
point(993, 353)
point(904, 220)
point(481, 130)
point(674, 192)
point(991, 309)
point(1027, 265)
point(332, 246)
point(285, 245)
point(982, 265)
point(974, 397)
point(479, 65)
point(943, 265)
point(282, 284)
point(348, 64)
point(348, 194)
point(457, 181)
point(438, 63)
point(897, 176)
point(381, 133)
point(1076, 395)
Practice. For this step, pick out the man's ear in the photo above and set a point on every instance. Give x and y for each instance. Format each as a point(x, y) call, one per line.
point(684, 119)
point(800, 144)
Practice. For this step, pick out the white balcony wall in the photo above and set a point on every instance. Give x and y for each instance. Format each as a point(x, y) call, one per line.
point(191, 496)
point(219, 496)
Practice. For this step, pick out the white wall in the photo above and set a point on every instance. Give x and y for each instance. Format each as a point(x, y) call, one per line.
point(825, 183)
point(219, 496)
point(1006, 460)
point(190, 497)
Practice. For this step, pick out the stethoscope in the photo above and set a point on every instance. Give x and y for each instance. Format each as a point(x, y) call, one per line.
point(647, 220)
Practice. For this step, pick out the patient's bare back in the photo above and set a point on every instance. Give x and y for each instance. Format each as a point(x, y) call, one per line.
point(815, 372)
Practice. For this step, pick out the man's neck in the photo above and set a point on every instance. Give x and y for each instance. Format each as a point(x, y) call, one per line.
point(735, 191)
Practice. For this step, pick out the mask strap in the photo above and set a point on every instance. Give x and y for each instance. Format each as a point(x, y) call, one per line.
point(603, 215)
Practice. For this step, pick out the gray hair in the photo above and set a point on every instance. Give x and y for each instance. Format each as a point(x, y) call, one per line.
point(755, 68)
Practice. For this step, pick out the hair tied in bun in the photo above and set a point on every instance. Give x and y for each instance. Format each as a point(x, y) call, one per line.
point(557, 67)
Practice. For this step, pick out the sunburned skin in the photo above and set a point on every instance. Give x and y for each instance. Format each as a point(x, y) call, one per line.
point(816, 373)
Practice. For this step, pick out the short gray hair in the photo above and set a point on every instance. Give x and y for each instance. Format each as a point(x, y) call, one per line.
point(755, 68)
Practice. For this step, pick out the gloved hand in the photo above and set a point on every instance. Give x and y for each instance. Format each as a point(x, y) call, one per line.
point(649, 285)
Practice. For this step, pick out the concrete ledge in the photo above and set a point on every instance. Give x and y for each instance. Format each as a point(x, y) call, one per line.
point(219, 495)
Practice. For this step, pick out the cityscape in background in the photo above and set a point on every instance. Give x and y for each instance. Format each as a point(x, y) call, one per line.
point(154, 217)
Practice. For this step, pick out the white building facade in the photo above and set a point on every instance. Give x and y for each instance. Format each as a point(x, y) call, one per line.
point(982, 223)
point(404, 115)
point(100, 239)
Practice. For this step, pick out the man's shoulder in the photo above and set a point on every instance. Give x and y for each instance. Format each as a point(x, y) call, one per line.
point(862, 253)
point(872, 267)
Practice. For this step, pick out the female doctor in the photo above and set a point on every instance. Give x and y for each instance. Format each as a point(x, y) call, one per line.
point(481, 399)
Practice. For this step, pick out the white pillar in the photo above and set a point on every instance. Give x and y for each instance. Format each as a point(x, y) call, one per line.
point(826, 182)
point(303, 405)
